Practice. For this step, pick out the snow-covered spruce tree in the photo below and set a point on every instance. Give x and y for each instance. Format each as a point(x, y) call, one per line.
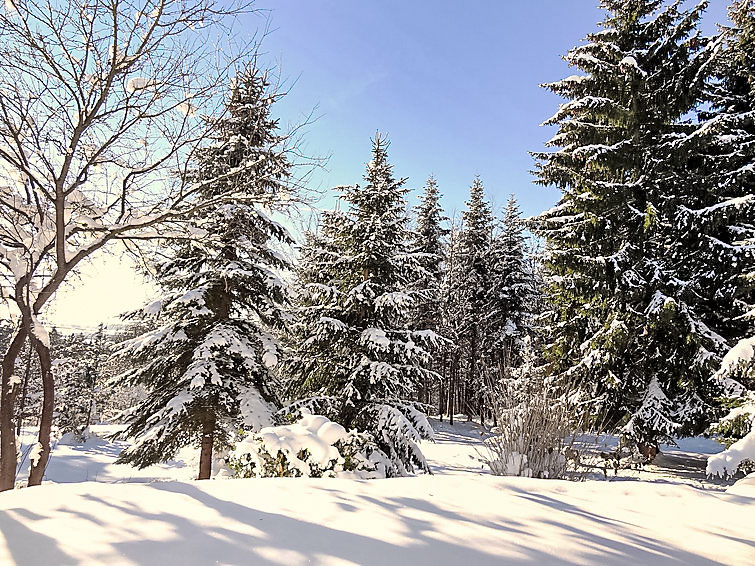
point(207, 363)
point(726, 140)
point(428, 243)
point(77, 365)
point(450, 313)
point(470, 290)
point(639, 353)
point(510, 300)
point(717, 224)
point(354, 357)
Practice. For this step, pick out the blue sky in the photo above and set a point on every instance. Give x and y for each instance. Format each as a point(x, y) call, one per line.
point(453, 84)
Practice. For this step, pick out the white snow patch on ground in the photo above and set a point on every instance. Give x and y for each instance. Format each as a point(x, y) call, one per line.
point(94, 460)
point(459, 515)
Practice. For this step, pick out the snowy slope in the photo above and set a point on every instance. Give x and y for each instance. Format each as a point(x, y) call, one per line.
point(480, 520)
point(459, 516)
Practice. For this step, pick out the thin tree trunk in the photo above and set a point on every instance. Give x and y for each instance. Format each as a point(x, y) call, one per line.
point(90, 379)
point(37, 469)
point(205, 455)
point(440, 388)
point(22, 403)
point(452, 392)
point(472, 379)
point(7, 400)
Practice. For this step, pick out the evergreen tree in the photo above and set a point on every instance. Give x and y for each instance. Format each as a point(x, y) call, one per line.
point(76, 361)
point(510, 301)
point(207, 364)
point(470, 291)
point(428, 243)
point(355, 357)
point(720, 224)
point(624, 333)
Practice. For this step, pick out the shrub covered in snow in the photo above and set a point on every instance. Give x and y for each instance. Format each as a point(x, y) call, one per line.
point(736, 429)
point(313, 446)
point(395, 427)
point(532, 425)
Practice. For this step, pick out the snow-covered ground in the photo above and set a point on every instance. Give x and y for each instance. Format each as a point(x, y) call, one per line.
point(459, 515)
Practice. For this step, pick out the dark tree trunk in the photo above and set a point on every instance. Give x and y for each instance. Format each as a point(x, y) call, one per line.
point(205, 455)
point(92, 382)
point(37, 469)
point(452, 390)
point(472, 380)
point(440, 388)
point(8, 393)
point(22, 403)
point(648, 451)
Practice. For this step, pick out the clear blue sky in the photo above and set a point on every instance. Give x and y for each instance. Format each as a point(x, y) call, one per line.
point(453, 84)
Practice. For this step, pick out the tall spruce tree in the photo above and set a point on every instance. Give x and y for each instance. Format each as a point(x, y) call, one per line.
point(471, 287)
point(623, 332)
point(510, 300)
point(720, 224)
point(354, 356)
point(428, 243)
point(207, 363)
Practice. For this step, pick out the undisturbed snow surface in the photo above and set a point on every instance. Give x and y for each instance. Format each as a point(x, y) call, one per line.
point(460, 516)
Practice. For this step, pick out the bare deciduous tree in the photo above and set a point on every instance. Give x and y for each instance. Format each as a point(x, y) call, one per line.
point(101, 102)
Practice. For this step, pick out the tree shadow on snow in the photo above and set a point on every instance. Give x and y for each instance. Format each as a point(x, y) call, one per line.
point(21, 541)
point(273, 538)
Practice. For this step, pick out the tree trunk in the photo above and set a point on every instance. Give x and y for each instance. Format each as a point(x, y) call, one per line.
point(91, 381)
point(7, 400)
point(205, 455)
point(648, 451)
point(452, 390)
point(440, 389)
point(472, 379)
point(37, 469)
point(24, 390)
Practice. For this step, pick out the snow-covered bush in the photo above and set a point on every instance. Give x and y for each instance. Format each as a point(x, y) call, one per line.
point(313, 446)
point(740, 454)
point(737, 423)
point(531, 427)
point(394, 427)
point(397, 430)
point(736, 430)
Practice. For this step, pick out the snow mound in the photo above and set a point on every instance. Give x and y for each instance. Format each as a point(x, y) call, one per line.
point(727, 462)
point(744, 487)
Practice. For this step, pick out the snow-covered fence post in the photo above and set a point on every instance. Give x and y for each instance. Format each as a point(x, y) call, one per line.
point(99, 103)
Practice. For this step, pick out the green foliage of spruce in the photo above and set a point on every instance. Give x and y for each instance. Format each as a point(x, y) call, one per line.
point(206, 359)
point(353, 345)
point(640, 314)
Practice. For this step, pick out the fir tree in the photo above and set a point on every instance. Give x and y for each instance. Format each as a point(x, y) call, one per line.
point(623, 331)
point(719, 225)
point(77, 361)
point(355, 357)
point(428, 243)
point(510, 301)
point(471, 286)
point(207, 364)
